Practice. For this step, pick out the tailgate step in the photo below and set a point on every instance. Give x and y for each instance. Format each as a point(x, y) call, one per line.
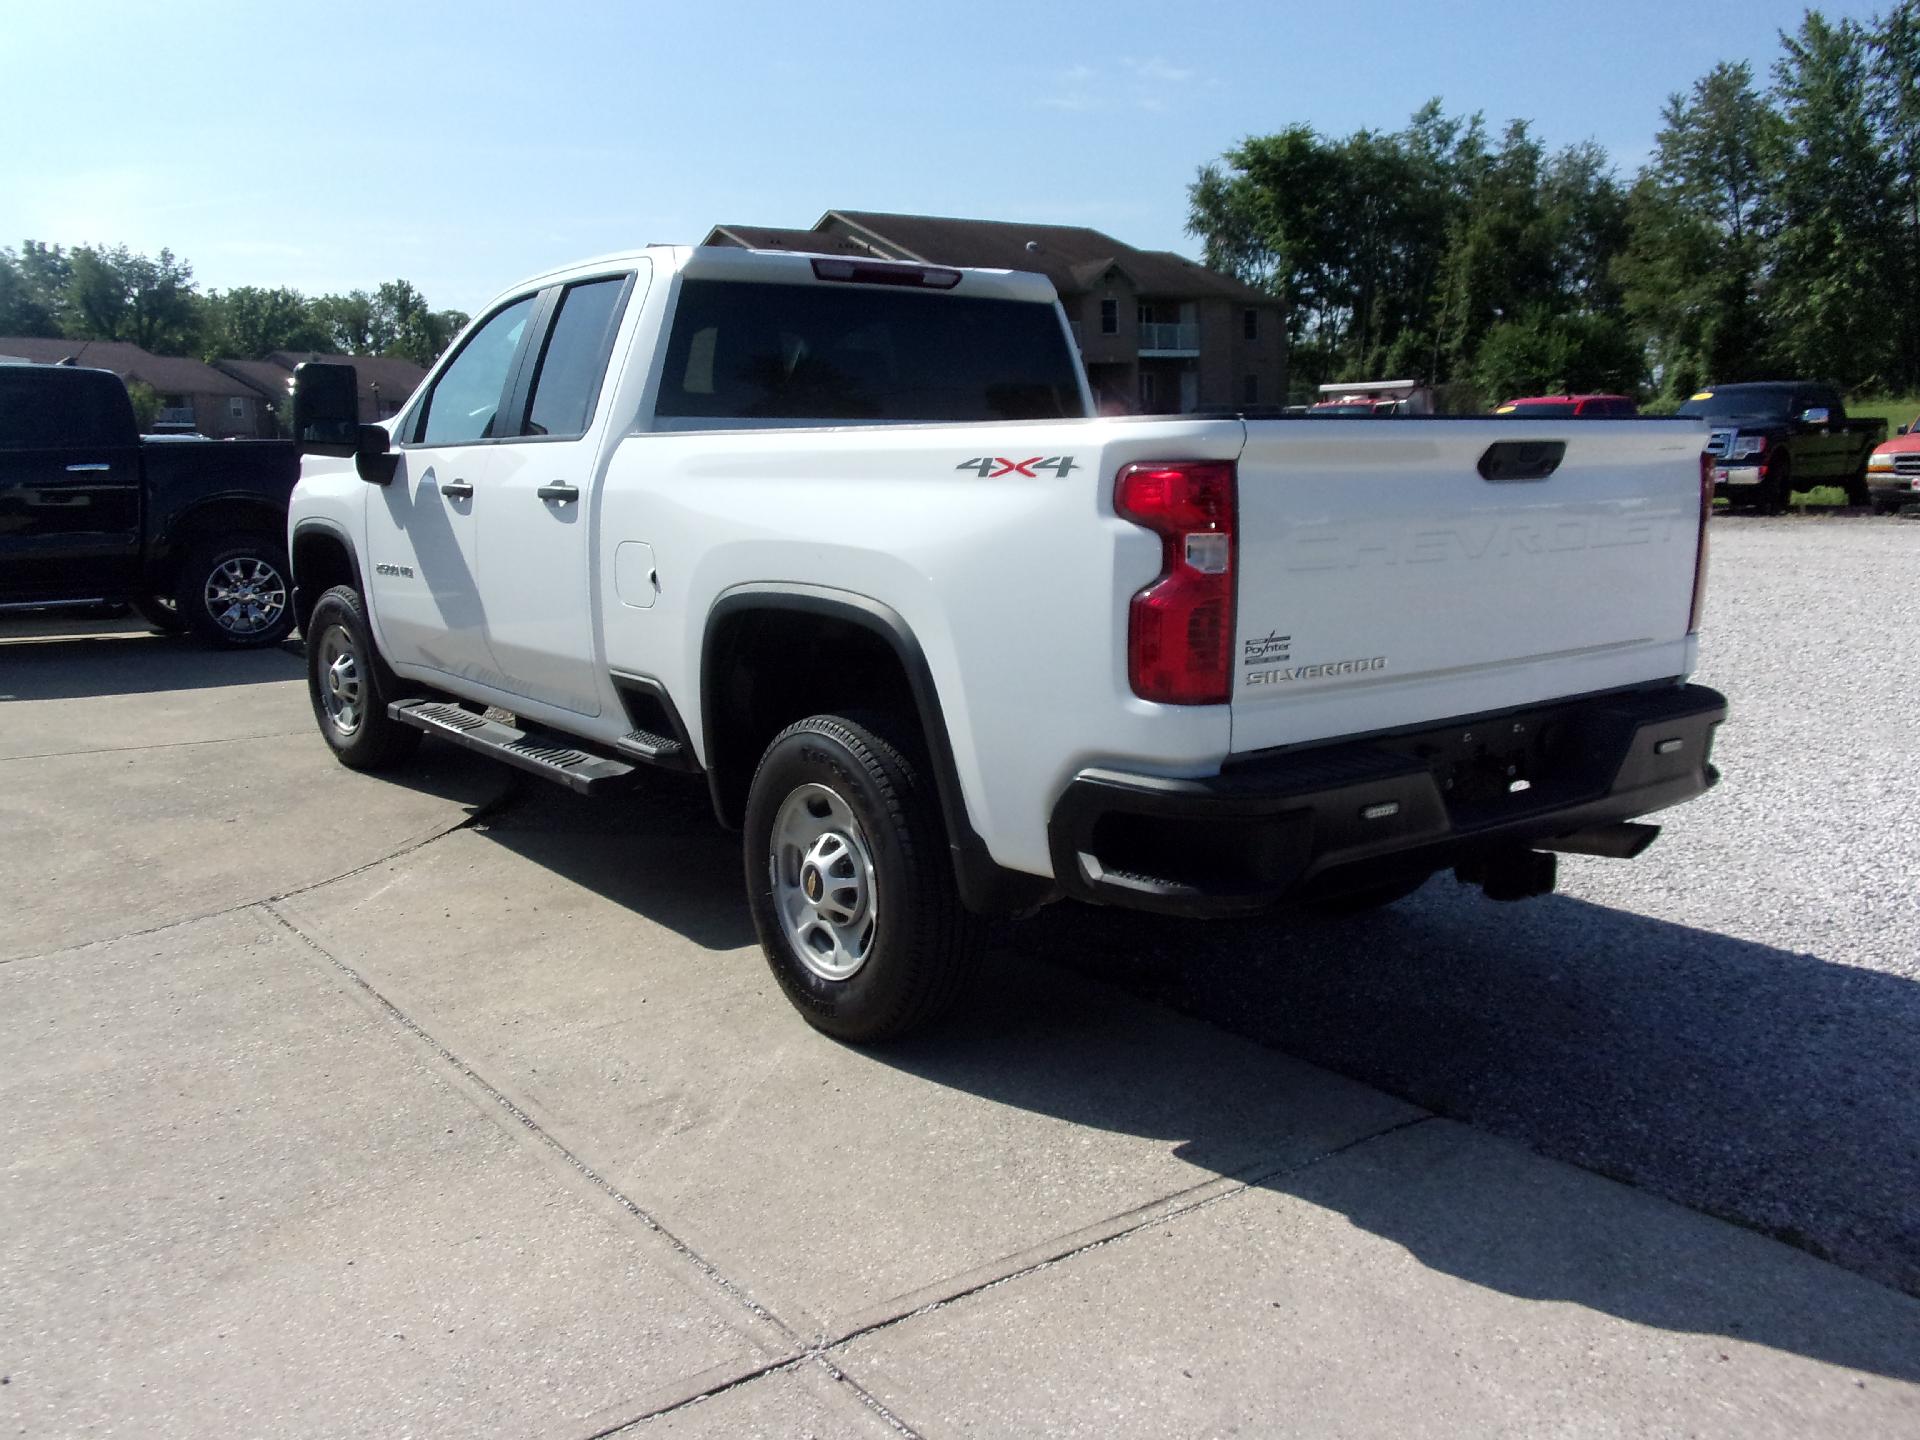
point(538, 752)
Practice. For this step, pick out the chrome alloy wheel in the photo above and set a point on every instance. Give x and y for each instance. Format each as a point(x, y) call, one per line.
point(246, 595)
point(342, 688)
point(823, 885)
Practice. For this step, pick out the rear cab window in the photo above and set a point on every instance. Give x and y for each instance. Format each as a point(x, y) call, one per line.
point(784, 354)
point(43, 408)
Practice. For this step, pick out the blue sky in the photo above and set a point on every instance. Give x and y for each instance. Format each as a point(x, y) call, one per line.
point(334, 145)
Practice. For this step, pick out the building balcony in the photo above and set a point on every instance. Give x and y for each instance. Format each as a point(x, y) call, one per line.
point(1164, 339)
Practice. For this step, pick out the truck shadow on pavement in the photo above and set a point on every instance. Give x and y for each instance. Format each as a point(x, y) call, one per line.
point(1770, 1088)
point(129, 662)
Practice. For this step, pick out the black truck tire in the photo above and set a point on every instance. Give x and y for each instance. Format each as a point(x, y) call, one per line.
point(235, 591)
point(1778, 498)
point(850, 881)
point(346, 682)
point(1858, 495)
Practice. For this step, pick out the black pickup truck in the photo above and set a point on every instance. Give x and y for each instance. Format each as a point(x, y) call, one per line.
point(191, 533)
point(1773, 437)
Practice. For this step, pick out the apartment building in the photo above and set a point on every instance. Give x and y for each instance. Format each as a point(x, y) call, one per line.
point(1160, 334)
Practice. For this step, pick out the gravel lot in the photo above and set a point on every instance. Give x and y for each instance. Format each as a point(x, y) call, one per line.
point(1733, 1021)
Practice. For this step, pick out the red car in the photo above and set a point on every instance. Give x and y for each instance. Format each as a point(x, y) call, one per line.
point(1893, 471)
point(1559, 407)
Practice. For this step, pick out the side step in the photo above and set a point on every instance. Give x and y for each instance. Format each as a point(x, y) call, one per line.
point(661, 750)
point(537, 752)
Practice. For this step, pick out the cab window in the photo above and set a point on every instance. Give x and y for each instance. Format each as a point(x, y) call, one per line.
point(463, 403)
point(575, 359)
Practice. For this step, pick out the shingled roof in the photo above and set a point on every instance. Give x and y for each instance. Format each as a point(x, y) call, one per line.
point(1073, 257)
point(167, 374)
point(773, 237)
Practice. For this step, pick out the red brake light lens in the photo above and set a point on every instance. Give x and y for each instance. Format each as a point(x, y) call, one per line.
point(1180, 627)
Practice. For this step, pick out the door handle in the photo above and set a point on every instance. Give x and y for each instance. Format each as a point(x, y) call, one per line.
point(561, 491)
point(457, 489)
point(96, 465)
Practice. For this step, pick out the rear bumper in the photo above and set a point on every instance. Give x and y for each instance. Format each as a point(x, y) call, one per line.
point(1302, 823)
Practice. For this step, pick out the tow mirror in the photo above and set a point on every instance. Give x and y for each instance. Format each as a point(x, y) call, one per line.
point(1902, 430)
point(1818, 415)
point(326, 408)
point(373, 455)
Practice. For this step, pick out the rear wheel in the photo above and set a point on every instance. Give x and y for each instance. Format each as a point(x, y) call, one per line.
point(849, 880)
point(234, 591)
point(343, 682)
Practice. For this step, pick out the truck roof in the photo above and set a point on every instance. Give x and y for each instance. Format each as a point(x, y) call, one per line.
point(730, 262)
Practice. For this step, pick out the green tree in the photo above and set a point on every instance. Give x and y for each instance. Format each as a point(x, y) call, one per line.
point(146, 403)
point(1837, 243)
point(1893, 107)
point(347, 322)
point(249, 323)
point(1700, 221)
point(115, 294)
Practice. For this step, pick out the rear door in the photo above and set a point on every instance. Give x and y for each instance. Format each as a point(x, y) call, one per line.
point(535, 564)
point(1385, 582)
point(69, 484)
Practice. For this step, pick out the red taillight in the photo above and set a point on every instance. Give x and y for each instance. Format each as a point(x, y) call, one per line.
point(1700, 551)
point(1180, 628)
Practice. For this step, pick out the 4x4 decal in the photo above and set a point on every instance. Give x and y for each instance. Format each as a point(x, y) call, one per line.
point(992, 466)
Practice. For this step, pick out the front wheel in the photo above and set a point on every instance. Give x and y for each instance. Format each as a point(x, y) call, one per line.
point(1778, 498)
point(162, 612)
point(1858, 495)
point(234, 592)
point(849, 880)
point(343, 682)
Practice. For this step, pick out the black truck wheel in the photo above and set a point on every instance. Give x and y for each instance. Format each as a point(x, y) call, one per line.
point(234, 591)
point(1778, 496)
point(1856, 487)
point(850, 882)
point(344, 682)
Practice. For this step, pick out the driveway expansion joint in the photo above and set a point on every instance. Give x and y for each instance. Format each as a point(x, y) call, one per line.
point(532, 1127)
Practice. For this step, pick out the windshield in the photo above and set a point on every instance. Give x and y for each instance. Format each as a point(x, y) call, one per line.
point(1771, 401)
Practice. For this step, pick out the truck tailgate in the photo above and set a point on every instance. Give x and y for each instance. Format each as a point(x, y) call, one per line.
point(1384, 583)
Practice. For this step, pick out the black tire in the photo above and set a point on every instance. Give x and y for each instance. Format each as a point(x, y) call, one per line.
point(1858, 495)
point(341, 658)
point(162, 612)
point(1373, 897)
point(1779, 493)
point(902, 929)
point(234, 592)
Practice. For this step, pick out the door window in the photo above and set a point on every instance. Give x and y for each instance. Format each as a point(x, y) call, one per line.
point(464, 402)
point(575, 359)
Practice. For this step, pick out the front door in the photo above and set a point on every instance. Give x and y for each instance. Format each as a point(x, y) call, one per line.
point(423, 538)
point(535, 571)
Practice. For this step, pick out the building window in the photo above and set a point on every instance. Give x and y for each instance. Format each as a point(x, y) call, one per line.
point(1250, 387)
point(236, 408)
point(1250, 324)
point(1109, 317)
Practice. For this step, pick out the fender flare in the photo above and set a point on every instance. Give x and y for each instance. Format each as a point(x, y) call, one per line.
point(985, 886)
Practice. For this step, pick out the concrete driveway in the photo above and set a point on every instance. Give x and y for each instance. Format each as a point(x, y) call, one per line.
point(449, 1104)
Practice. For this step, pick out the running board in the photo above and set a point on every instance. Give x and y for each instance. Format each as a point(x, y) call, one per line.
point(537, 752)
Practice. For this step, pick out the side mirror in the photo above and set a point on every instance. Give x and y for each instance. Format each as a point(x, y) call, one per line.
point(373, 455)
point(1901, 430)
point(1818, 415)
point(326, 408)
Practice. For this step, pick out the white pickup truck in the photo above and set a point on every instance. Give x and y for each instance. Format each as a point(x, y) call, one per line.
point(847, 539)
